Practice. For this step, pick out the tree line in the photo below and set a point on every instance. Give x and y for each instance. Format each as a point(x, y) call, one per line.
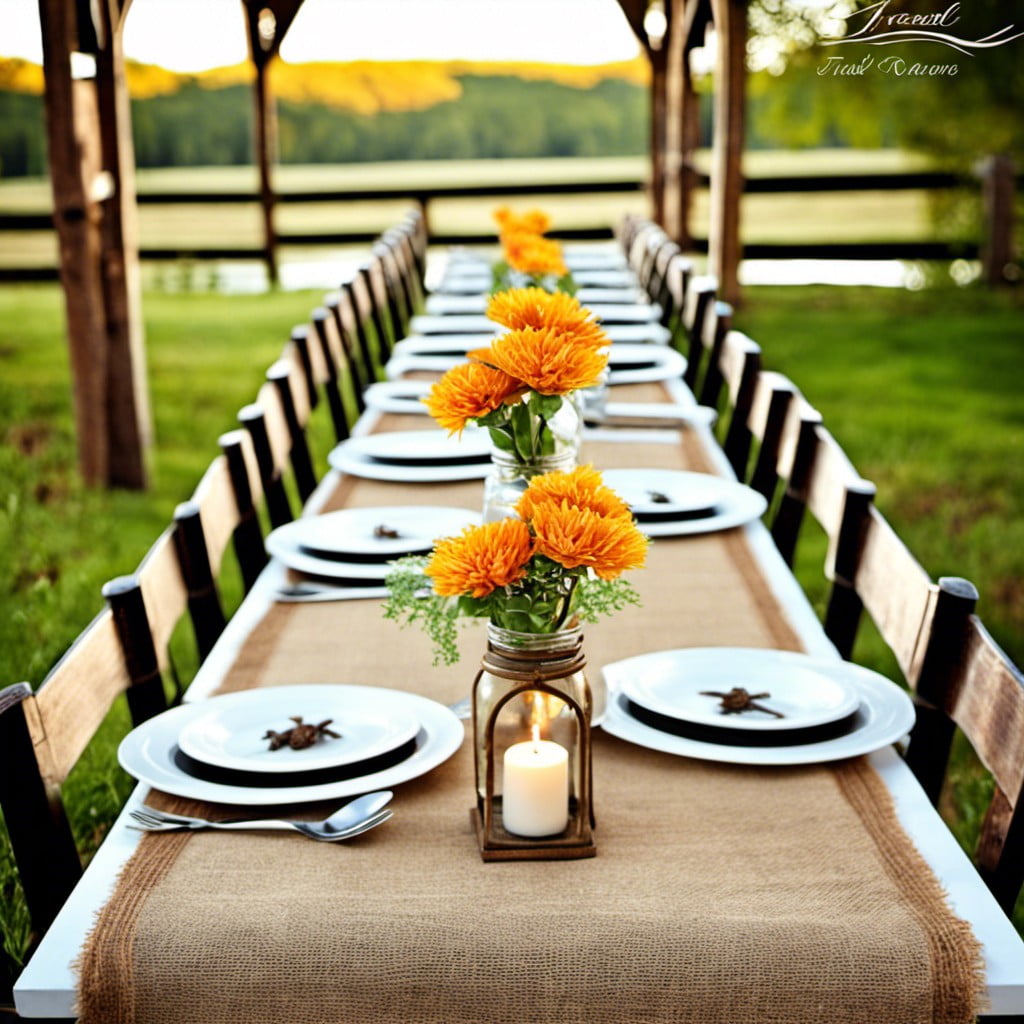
point(496, 117)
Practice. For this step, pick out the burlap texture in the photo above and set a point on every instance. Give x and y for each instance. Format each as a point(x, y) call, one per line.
point(719, 894)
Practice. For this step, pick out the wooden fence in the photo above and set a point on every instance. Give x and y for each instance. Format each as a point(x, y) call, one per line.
point(998, 233)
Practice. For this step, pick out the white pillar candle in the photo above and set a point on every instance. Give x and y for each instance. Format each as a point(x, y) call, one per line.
point(535, 789)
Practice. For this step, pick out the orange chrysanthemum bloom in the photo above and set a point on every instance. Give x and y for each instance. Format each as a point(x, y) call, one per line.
point(481, 559)
point(468, 391)
point(581, 488)
point(546, 361)
point(575, 537)
point(534, 222)
point(531, 253)
point(534, 307)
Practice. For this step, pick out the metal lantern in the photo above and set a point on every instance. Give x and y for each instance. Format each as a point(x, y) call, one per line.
point(531, 731)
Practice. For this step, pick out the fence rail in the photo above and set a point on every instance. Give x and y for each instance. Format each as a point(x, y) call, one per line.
point(425, 196)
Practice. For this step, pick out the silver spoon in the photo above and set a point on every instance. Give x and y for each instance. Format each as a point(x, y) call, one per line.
point(357, 816)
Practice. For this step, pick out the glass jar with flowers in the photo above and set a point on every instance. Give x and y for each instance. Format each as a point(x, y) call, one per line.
point(535, 579)
point(528, 258)
point(523, 388)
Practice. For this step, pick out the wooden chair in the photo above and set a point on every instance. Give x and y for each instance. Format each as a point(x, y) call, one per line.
point(43, 735)
point(286, 379)
point(977, 688)
point(697, 303)
point(370, 275)
point(678, 275)
point(342, 314)
point(959, 677)
point(739, 363)
point(338, 378)
point(396, 297)
point(359, 305)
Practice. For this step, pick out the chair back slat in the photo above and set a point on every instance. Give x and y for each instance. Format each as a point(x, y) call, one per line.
point(894, 588)
point(773, 395)
point(68, 712)
point(833, 473)
point(216, 501)
point(163, 591)
point(987, 703)
point(740, 364)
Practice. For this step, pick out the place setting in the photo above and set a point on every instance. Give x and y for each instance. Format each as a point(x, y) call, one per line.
point(415, 456)
point(674, 503)
point(476, 302)
point(607, 313)
point(291, 744)
point(633, 362)
point(753, 706)
point(348, 553)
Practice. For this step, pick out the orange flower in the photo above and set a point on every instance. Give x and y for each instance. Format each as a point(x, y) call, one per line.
point(534, 222)
point(575, 537)
point(580, 488)
point(531, 253)
point(546, 361)
point(480, 559)
point(468, 391)
point(534, 307)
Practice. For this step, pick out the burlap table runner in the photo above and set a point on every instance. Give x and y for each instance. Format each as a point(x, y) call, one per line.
point(719, 894)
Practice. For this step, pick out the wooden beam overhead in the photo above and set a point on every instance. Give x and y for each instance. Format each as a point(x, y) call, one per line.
point(268, 22)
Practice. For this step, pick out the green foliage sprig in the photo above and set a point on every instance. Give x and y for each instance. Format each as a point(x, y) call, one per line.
point(546, 599)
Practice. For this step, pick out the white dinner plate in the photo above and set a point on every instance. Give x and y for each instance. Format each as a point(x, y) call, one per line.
point(400, 396)
point(227, 731)
point(639, 364)
point(449, 305)
point(806, 691)
point(148, 754)
point(343, 544)
point(415, 456)
point(610, 314)
point(731, 503)
point(885, 714)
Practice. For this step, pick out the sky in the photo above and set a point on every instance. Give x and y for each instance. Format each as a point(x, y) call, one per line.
point(191, 35)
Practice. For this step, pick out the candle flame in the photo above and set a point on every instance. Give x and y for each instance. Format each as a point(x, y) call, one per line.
point(536, 733)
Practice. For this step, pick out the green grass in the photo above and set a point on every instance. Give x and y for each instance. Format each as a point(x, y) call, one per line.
point(921, 388)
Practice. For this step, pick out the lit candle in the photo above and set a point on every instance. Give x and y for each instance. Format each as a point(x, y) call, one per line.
point(535, 791)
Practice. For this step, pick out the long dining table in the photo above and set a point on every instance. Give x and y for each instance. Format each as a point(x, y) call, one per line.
point(720, 892)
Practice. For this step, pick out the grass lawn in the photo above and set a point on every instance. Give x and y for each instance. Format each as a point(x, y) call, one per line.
point(921, 388)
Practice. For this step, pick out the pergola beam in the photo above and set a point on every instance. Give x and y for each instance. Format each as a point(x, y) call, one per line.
point(267, 23)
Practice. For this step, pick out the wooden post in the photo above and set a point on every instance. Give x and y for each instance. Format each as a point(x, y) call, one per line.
point(686, 21)
point(265, 138)
point(997, 255)
point(267, 22)
point(659, 125)
point(127, 392)
point(92, 177)
point(724, 249)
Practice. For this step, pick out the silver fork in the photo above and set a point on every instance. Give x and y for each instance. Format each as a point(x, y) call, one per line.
point(360, 815)
point(148, 823)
